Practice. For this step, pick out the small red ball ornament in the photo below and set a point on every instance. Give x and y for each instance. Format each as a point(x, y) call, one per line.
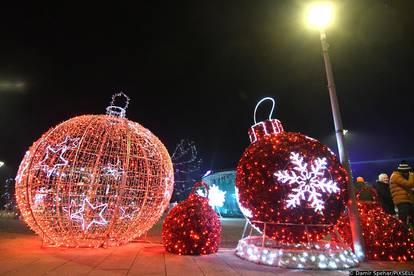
point(386, 237)
point(289, 186)
point(94, 180)
point(192, 227)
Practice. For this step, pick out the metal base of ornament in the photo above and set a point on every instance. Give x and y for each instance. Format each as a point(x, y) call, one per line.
point(321, 255)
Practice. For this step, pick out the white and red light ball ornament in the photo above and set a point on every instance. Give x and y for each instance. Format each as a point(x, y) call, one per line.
point(94, 180)
point(289, 186)
point(192, 227)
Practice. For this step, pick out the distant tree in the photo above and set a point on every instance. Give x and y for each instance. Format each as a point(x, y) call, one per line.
point(187, 168)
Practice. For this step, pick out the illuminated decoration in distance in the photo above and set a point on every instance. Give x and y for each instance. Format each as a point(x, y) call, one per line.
point(292, 190)
point(7, 198)
point(311, 182)
point(94, 181)
point(216, 197)
point(186, 164)
point(225, 182)
point(192, 227)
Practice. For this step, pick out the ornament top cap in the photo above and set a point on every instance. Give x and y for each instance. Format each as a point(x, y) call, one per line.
point(266, 127)
point(198, 185)
point(118, 111)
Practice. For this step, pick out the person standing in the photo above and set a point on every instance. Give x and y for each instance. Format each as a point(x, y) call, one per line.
point(362, 187)
point(401, 183)
point(383, 190)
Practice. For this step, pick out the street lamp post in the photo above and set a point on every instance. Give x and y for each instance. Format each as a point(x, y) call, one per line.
point(319, 16)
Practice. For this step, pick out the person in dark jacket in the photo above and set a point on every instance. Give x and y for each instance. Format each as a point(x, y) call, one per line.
point(401, 185)
point(362, 187)
point(384, 195)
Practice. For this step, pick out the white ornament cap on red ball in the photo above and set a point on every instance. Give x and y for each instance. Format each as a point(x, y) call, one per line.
point(266, 127)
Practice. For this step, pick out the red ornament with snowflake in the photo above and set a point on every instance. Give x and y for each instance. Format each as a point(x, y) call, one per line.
point(289, 185)
point(386, 237)
point(192, 227)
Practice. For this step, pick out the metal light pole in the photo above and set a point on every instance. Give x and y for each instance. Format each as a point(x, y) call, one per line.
point(355, 222)
point(319, 16)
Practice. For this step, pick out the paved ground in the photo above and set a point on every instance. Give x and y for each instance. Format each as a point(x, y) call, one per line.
point(21, 254)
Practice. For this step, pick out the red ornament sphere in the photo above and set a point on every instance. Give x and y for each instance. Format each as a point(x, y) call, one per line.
point(289, 185)
point(192, 227)
point(94, 180)
point(386, 238)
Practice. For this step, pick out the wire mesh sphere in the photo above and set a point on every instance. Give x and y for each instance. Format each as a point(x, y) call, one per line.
point(94, 180)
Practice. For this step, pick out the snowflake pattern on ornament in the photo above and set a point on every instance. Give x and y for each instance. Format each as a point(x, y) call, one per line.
point(311, 182)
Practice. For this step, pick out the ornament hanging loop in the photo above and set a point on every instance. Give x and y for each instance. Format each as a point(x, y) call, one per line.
point(115, 110)
point(198, 185)
point(257, 106)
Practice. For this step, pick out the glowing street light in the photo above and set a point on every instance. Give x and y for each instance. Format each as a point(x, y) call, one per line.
point(1, 164)
point(320, 16)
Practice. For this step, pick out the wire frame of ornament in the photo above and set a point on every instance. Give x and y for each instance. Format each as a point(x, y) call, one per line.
point(94, 180)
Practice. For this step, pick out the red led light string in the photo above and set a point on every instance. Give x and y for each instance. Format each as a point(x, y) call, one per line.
point(386, 237)
point(192, 227)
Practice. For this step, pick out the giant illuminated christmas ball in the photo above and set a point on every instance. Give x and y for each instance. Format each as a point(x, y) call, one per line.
point(94, 180)
point(289, 186)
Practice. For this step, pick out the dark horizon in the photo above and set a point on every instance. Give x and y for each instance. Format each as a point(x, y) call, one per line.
point(197, 70)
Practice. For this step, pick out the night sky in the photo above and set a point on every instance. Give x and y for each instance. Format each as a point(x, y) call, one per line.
point(196, 70)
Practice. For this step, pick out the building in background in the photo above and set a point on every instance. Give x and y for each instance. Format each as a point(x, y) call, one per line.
point(225, 181)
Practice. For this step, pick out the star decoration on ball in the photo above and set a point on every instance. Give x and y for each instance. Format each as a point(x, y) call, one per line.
point(56, 152)
point(310, 180)
point(113, 170)
point(86, 220)
point(127, 215)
